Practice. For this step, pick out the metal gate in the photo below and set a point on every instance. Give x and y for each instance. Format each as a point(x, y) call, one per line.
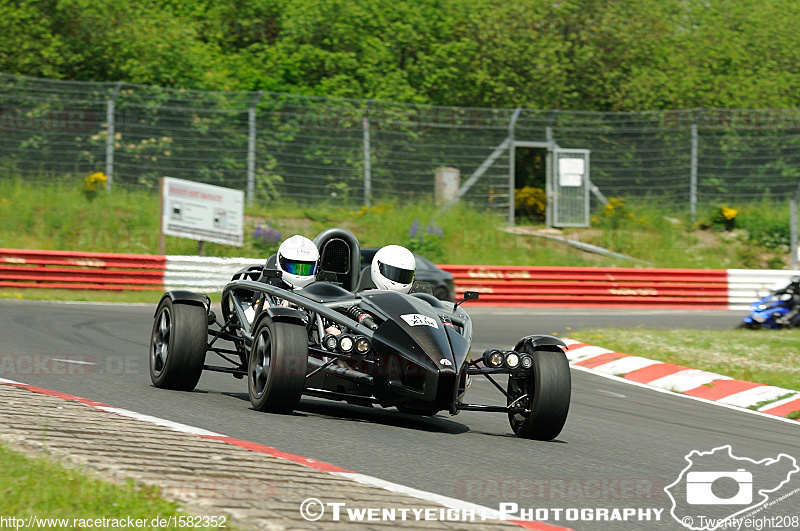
point(570, 184)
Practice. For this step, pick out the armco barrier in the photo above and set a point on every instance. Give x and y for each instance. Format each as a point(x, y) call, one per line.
point(593, 286)
point(748, 285)
point(203, 273)
point(498, 285)
point(75, 270)
point(107, 271)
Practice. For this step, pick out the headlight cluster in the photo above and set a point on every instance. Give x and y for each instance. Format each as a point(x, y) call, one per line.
point(347, 343)
point(509, 359)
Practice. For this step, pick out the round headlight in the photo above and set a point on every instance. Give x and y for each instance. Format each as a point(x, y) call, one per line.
point(362, 345)
point(329, 341)
point(512, 360)
point(345, 343)
point(526, 361)
point(493, 358)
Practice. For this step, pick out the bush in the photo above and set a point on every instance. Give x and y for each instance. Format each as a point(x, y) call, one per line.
point(93, 184)
point(724, 217)
point(767, 225)
point(530, 203)
point(427, 244)
point(614, 214)
point(267, 238)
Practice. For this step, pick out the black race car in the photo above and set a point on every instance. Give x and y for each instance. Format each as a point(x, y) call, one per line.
point(334, 340)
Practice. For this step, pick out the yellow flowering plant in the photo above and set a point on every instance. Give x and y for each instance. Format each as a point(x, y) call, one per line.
point(94, 183)
point(724, 217)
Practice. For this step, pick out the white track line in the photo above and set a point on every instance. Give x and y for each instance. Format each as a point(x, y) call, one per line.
point(687, 397)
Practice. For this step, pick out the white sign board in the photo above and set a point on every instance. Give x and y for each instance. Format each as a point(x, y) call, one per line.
point(570, 172)
point(202, 212)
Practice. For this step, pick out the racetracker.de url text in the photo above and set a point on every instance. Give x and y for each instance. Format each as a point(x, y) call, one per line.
point(185, 521)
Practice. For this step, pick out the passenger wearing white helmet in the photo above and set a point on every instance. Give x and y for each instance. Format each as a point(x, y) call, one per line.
point(298, 260)
point(393, 268)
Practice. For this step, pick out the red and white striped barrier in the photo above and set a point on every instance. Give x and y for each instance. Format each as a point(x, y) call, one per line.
point(593, 286)
point(704, 385)
point(204, 274)
point(21, 268)
point(599, 287)
point(748, 285)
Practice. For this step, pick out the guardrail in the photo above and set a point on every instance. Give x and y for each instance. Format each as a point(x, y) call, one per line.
point(21, 268)
point(202, 273)
point(498, 285)
point(593, 286)
point(748, 285)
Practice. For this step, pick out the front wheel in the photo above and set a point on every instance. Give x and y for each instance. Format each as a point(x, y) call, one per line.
point(178, 345)
point(545, 395)
point(276, 368)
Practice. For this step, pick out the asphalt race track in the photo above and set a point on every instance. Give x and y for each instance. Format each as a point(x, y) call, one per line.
point(628, 440)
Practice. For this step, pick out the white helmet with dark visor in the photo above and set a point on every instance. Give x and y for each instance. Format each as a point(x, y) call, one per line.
point(393, 268)
point(298, 259)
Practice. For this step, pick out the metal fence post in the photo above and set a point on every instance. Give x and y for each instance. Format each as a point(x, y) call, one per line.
point(110, 136)
point(367, 157)
point(693, 170)
point(793, 230)
point(251, 149)
point(549, 186)
point(793, 225)
point(512, 165)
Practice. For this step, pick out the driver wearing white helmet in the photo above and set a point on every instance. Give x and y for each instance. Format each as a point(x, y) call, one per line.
point(393, 268)
point(298, 260)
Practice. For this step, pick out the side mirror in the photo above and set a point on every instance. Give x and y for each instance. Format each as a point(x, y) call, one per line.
point(272, 273)
point(468, 296)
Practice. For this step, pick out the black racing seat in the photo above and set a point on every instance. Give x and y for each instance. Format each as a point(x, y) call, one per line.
point(325, 292)
point(365, 280)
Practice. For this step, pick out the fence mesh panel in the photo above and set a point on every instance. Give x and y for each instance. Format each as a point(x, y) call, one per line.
point(312, 149)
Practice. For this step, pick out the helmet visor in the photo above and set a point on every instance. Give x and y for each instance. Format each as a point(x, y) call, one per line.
point(298, 267)
point(396, 274)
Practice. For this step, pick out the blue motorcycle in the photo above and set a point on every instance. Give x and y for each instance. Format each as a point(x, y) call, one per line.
point(775, 310)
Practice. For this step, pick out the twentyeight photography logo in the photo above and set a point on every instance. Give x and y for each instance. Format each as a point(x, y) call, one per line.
point(718, 489)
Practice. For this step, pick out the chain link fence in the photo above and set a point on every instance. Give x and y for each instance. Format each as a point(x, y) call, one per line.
point(280, 147)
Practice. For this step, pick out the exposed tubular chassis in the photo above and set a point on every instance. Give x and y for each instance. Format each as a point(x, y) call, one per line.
point(537, 396)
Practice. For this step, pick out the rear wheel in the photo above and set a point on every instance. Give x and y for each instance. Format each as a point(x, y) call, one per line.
point(178, 345)
point(545, 395)
point(276, 368)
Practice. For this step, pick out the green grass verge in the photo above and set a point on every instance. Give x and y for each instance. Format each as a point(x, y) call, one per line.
point(60, 216)
point(42, 488)
point(766, 357)
point(145, 297)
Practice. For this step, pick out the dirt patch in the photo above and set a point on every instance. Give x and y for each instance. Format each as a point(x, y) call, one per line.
point(707, 239)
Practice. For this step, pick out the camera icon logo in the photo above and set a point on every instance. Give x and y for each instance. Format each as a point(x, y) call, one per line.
point(699, 488)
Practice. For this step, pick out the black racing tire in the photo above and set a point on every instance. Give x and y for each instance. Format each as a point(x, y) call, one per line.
point(549, 388)
point(178, 345)
point(276, 367)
